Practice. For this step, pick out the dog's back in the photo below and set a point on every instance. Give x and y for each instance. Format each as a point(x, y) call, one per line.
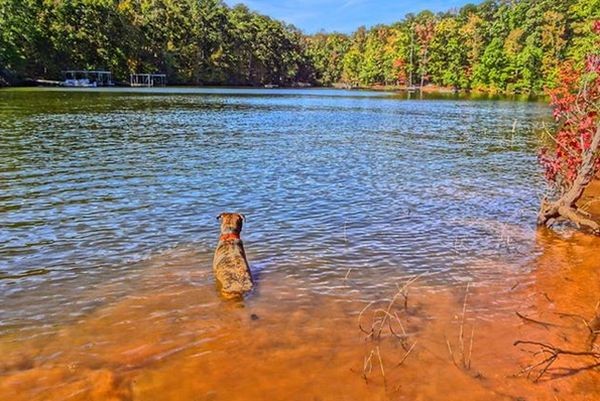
point(230, 265)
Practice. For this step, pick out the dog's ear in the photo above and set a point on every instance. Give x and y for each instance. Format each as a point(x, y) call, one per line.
point(243, 217)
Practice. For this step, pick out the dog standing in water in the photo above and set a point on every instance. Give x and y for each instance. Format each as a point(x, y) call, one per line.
point(230, 264)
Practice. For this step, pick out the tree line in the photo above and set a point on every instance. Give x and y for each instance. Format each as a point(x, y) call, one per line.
point(497, 45)
point(192, 41)
point(510, 45)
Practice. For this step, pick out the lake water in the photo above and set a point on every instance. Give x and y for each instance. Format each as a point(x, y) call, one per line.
point(109, 194)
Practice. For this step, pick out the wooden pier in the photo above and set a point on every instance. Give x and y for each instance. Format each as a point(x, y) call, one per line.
point(147, 80)
point(87, 79)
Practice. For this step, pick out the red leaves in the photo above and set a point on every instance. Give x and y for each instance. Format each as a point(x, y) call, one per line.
point(400, 67)
point(399, 63)
point(575, 104)
point(592, 63)
point(425, 31)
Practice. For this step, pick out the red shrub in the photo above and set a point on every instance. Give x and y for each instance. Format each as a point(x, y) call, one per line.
point(575, 102)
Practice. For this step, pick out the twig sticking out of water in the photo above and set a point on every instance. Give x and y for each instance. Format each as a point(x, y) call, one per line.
point(450, 351)
point(464, 357)
point(406, 354)
point(461, 340)
point(551, 354)
point(368, 363)
point(402, 291)
point(382, 317)
point(370, 332)
point(380, 362)
point(592, 325)
point(468, 361)
point(345, 236)
point(368, 366)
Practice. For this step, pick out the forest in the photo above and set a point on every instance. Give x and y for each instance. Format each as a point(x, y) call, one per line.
point(496, 45)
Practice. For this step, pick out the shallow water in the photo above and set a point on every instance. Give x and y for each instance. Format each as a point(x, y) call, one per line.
point(108, 209)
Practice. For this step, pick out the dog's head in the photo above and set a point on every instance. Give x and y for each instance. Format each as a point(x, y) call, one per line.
point(231, 222)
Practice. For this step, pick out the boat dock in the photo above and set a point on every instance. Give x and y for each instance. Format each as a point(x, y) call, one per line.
point(147, 80)
point(87, 79)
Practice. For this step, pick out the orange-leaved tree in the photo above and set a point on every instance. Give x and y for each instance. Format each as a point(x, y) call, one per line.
point(575, 161)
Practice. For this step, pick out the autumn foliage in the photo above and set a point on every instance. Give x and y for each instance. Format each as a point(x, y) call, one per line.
point(575, 161)
point(575, 102)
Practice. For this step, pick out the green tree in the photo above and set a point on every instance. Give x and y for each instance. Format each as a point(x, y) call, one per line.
point(448, 55)
point(491, 71)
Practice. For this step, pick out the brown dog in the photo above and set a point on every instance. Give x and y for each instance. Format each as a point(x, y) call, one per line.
point(230, 265)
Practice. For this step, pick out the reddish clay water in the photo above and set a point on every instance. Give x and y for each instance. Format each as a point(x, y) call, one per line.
point(174, 339)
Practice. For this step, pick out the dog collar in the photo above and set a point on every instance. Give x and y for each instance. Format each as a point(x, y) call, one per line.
point(230, 236)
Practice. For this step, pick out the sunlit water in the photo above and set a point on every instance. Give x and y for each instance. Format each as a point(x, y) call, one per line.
point(93, 181)
point(108, 201)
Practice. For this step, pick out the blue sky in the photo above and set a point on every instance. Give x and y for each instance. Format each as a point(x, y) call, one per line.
point(344, 15)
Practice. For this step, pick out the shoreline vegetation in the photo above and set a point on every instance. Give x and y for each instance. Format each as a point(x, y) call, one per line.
point(427, 89)
point(493, 47)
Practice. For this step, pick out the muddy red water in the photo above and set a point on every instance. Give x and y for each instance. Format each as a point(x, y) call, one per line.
point(174, 339)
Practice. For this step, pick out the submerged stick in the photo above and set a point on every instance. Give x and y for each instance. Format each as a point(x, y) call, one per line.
point(368, 363)
point(541, 323)
point(393, 300)
point(464, 356)
point(380, 362)
point(406, 354)
point(470, 348)
point(360, 317)
point(461, 340)
point(450, 351)
point(553, 353)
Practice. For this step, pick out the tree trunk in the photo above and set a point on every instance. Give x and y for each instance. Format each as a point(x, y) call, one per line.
point(565, 207)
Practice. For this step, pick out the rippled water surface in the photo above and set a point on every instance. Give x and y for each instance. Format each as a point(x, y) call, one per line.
point(95, 182)
point(108, 201)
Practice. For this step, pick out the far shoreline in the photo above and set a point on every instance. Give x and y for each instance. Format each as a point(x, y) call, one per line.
point(412, 92)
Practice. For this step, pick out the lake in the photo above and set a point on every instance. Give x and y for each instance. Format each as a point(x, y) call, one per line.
point(108, 201)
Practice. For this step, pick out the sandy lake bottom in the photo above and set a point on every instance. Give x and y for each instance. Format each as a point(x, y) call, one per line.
point(172, 338)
